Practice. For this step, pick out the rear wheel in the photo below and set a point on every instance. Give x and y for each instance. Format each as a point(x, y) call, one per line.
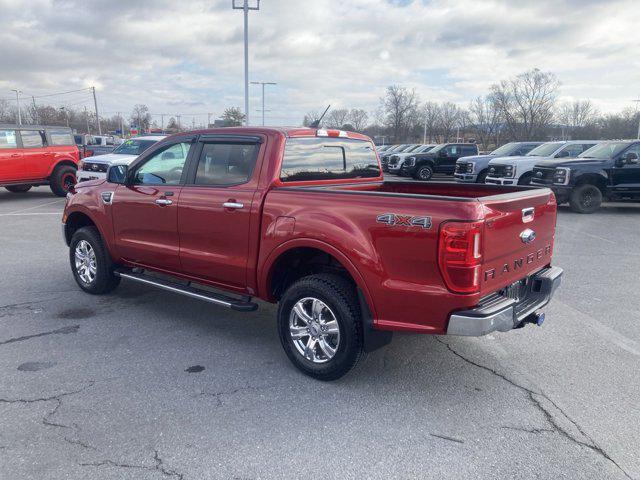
point(320, 326)
point(91, 263)
point(585, 198)
point(18, 188)
point(62, 179)
point(424, 173)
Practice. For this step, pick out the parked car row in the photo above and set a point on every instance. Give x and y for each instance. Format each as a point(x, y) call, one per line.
point(582, 173)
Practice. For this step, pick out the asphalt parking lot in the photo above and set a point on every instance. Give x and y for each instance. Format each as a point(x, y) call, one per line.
point(142, 384)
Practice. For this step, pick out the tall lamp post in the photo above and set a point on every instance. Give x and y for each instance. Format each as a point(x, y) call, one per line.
point(18, 92)
point(263, 84)
point(246, 7)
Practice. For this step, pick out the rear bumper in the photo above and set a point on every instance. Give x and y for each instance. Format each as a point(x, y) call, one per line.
point(500, 313)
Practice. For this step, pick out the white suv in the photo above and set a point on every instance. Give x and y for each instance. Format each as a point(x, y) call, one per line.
point(519, 170)
point(95, 168)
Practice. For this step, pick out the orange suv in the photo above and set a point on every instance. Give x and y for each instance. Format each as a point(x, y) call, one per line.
point(33, 155)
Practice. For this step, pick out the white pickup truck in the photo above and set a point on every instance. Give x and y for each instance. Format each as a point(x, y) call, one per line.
point(519, 170)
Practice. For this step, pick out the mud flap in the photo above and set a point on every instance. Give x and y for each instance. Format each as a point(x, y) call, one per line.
point(372, 339)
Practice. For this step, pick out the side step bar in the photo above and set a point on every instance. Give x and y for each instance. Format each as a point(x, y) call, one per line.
point(189, 291)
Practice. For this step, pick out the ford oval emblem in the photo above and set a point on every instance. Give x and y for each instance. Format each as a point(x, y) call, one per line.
point(539, 174)
point(527, 236)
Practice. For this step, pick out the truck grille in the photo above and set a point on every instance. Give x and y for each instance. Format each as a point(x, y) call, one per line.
point(461, 168)
point(497, 170)
point(384, 159)
point(543, 175)
point(95, 167)
point(393, 160)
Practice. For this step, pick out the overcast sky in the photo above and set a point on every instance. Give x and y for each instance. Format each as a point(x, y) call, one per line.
point(186, 56)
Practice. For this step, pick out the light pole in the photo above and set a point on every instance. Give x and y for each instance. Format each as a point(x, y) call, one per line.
point(245, 7)
point(263, 84)
point(638, 103)
point(18, 92)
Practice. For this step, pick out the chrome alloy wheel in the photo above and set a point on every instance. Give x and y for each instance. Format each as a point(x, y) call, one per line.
point(85, 261)
point(314, 330)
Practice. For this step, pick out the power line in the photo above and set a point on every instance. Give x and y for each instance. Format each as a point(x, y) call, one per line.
point(62, 93)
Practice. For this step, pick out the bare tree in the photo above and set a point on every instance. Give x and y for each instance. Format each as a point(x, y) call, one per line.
point(336, 118)
point(485, 119)
point(310, 117)
point(358, 119)
point(527, 103)
point(400, 108)
point(141, 116)
point(430, 121)
point(577, 114)
point(448, 120)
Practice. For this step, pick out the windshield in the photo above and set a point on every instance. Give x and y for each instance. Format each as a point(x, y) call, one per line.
point(134, 147)
point(424, 148)
point(413, 148)
point(545, 150)
point(604, 150)
point(437, 148)
point(505, 150)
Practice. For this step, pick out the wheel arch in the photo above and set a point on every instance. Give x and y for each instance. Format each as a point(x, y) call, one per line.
point(65, 162)
point(271, 283)
point(596, 179)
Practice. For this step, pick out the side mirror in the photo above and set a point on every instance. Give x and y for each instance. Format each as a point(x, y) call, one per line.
point(562, 154)
point(117, 174)
point(631, 158)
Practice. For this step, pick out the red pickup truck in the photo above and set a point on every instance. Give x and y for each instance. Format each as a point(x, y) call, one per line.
point(33, 155)
point(304, 218)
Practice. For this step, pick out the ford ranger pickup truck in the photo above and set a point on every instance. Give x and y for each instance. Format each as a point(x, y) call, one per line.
point(302, 217)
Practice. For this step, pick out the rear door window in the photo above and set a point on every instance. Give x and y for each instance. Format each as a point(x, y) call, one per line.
point(33, 138)
point(60, 137)
point(328, 158)
point(8, 139)
point(226, 164)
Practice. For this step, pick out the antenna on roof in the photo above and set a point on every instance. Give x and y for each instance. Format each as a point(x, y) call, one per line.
point(316, 123)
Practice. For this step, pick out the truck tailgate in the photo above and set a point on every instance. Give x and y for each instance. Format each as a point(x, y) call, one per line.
point(518, 237)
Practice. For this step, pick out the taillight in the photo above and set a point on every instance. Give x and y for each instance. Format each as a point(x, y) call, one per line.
point(460, 255)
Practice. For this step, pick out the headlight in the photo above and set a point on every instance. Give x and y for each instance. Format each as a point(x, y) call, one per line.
point(80, 165)
point(492, 170)
point(561, 176)
point(509, 171)
point(411, 161)
point(470, 167)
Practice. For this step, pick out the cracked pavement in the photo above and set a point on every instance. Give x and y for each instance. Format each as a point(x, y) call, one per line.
point(141, 384)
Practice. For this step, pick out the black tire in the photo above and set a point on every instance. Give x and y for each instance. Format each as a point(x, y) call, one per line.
point(585, 198)
point(18, 188)
point(423, 173)
point(339, 295)
point(104, 280)
point(62, 179)
point(482, 176)
point(525, 179)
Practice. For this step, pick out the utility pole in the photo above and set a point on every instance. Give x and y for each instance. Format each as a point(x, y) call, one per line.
point(424, 135)
point(245, 7)
point(95, 103)
point(162, 122)
point(178, 117)
point(36, 118)
point(263, 84)
point(638, 103)
point(121, 124)
point(208, 119)
point(18, 92)
point(86, 117)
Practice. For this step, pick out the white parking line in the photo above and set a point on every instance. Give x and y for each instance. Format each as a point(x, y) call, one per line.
point(27, 214)
point(34, 207)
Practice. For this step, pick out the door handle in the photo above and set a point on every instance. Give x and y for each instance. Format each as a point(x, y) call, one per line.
point(14, 155)
point(163, 202)
point(233, 205)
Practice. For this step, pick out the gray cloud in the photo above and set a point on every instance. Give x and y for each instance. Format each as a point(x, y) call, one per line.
point(181, 56)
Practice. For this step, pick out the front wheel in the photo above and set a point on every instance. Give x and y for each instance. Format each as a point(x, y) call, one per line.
point(18, 188)
point(91, 263)
point(62, 179)
point(320, 326)
point(424, 173)
point(585, 198)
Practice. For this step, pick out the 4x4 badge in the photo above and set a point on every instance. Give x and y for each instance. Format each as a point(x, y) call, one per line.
point(394, 219)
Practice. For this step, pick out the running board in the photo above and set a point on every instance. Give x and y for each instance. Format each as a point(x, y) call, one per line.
point(189, 291)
